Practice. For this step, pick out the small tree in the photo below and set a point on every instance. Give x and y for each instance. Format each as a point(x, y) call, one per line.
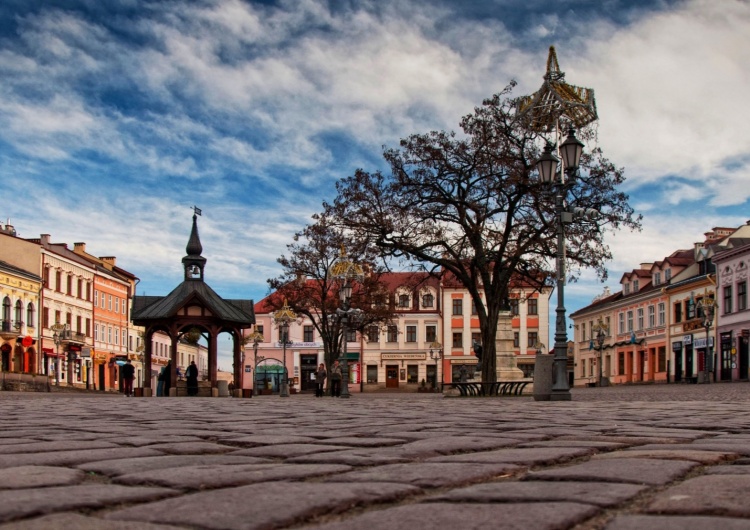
point(472, 206)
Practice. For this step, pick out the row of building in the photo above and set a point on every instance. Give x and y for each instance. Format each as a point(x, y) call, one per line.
point(683, 318)
point(67, 316)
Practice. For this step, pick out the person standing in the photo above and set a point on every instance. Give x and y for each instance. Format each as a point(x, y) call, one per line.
point(160, 382)
point(167, 378)
point(128, 374)
point(336, 377)
point(192, 379)
point(320, 380)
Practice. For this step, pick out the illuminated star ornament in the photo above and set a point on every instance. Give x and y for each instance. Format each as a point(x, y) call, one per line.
point(556, 99)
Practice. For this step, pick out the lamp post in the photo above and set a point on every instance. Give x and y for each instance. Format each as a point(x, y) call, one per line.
point(257, 338)
point(707, 306)
point(282, 318)
point(547, 165)
point(346, 271)
point(436, 354)
point(602, 331)
point(57, 337)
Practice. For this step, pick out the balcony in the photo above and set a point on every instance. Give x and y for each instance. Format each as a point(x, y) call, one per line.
point(73, 336)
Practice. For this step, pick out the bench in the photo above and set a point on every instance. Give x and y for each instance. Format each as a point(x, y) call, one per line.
point(499, 388)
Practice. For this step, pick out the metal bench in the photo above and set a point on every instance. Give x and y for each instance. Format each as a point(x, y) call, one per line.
point(499, 388)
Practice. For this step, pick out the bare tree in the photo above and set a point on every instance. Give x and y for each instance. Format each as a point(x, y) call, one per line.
point(471, 205)
point(310, 290)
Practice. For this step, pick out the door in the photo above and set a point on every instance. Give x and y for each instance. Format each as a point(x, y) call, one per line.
point(100, 379)
point(391, 376)
point(678, 366)
point(689, 362)
point(308, 367)
point(726, 364)
point(743, 358)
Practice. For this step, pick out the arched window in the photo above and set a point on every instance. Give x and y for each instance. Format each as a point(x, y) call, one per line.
point(30, 317)
point(19, 314)
point(6, 313)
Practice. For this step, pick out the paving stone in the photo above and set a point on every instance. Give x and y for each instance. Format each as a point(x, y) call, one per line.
point(192, 448)
point(593, 444)
point(68, 445)
point(721, 447)
point(710, 494)
point(510, 516)
point(217, 476)
point(529, 457)
point(676, 522)
point(79, 522)
point(629, 470)
point(134, 465)
point(427, 475)
point(70, 458)
point(375, 441)
point(352, 457)
point(596, 493)
point(141, 441)
point(704, 457)
point(728, 470)
point(38, 476)
point(15, 504)
point(286, 450)
point(269, 439)
point(262, 505)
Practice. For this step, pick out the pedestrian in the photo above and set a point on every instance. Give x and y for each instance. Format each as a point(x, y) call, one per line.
point(192, 379)
point(160, 382)
point(128, 374)
point(336, 377)
point(463, 373)
point(320, 380)
point(167, 378)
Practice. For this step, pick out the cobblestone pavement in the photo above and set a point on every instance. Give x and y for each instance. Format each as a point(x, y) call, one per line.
point(650, 456)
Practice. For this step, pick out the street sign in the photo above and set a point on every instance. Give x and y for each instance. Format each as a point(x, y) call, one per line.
point(27, 341)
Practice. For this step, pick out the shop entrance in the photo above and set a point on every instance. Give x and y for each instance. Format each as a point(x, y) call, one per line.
point(308, 366)
point(743, 355)
point(391, 376)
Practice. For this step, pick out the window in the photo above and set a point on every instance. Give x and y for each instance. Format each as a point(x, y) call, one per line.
point(109, 307)
point(373, 335)
point(259, 329)
point(392, 334)
point(662, 314)
point(117, 338)
point(307, 334)
point(70, 285)
point(411, 333)
point(88, 291)
point(636, 286)
point(662, 359)
point(667, 275)
point(372, 373)
point(514, 306)
point(403, 300)
point(58, 281)
point(45, 277)
point(124, 337)
point(657, 278)
point(651, 316)
point(30, 320)
point(476, 337)
point(533, 307)
point(621, 363)
point(412, 373)
point(583, 332)
point(18, 313)
point(58, 317)
point(741, 296)
point(678, 312)
point(458, 339)
point(351, 335)
point(96, 332)
point(583, 367)
point(109, 335)
point(533, 339)
point(630, 321)
point(516, 340)
point(727, 299)
point(622, 323)
point(45, 317)
point(79, 327)
point(430, 334)
point(104, 301)
point(96, 298)
point(117, 304)
point(79, 291)
point(626, 288)
point(458, 306)
point(640, 318)
point(69, 320)
point(428, 300)
point(473, 308)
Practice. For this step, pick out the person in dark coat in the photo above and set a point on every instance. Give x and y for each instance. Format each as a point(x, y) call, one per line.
point(167, 378)
point(192, 379)
point(336, 377)
point(128, 374)
point(320, 380)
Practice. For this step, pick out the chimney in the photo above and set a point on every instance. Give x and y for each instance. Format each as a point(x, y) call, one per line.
point(109, 260)
point(79, 247)
point(44, 239)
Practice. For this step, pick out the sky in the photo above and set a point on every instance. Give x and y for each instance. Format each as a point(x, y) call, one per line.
point(117, 117)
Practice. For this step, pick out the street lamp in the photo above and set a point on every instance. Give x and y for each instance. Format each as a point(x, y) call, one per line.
point(257, 338)
point(436, 354)
point(282, 318)
point(570, 151)
point(602, 331)
point(346, 271)
point(57, 337)
point(707, 306)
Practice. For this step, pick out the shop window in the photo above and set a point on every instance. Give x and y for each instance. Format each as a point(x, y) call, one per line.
point(372, 373)
point(412, 373)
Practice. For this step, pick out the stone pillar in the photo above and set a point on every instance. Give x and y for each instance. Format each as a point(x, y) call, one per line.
point(507, 369)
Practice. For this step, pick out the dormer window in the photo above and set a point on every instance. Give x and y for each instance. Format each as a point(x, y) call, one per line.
point(428, 300)
point(635, 286)
point(626, 288)
point(667, 275)
point(657, 278)
point(403, 300)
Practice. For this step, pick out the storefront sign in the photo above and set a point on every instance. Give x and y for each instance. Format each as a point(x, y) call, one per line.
point(468, 360)
point(701, 343)
point(687, 340)
point(300, 345)
point(692, 326)
point(403, 356)
point(677, 346)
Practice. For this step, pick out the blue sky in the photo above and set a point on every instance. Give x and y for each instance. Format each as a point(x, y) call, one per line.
point(116, 117)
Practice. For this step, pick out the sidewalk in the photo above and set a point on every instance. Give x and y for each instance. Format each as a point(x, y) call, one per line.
point(650, 456)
